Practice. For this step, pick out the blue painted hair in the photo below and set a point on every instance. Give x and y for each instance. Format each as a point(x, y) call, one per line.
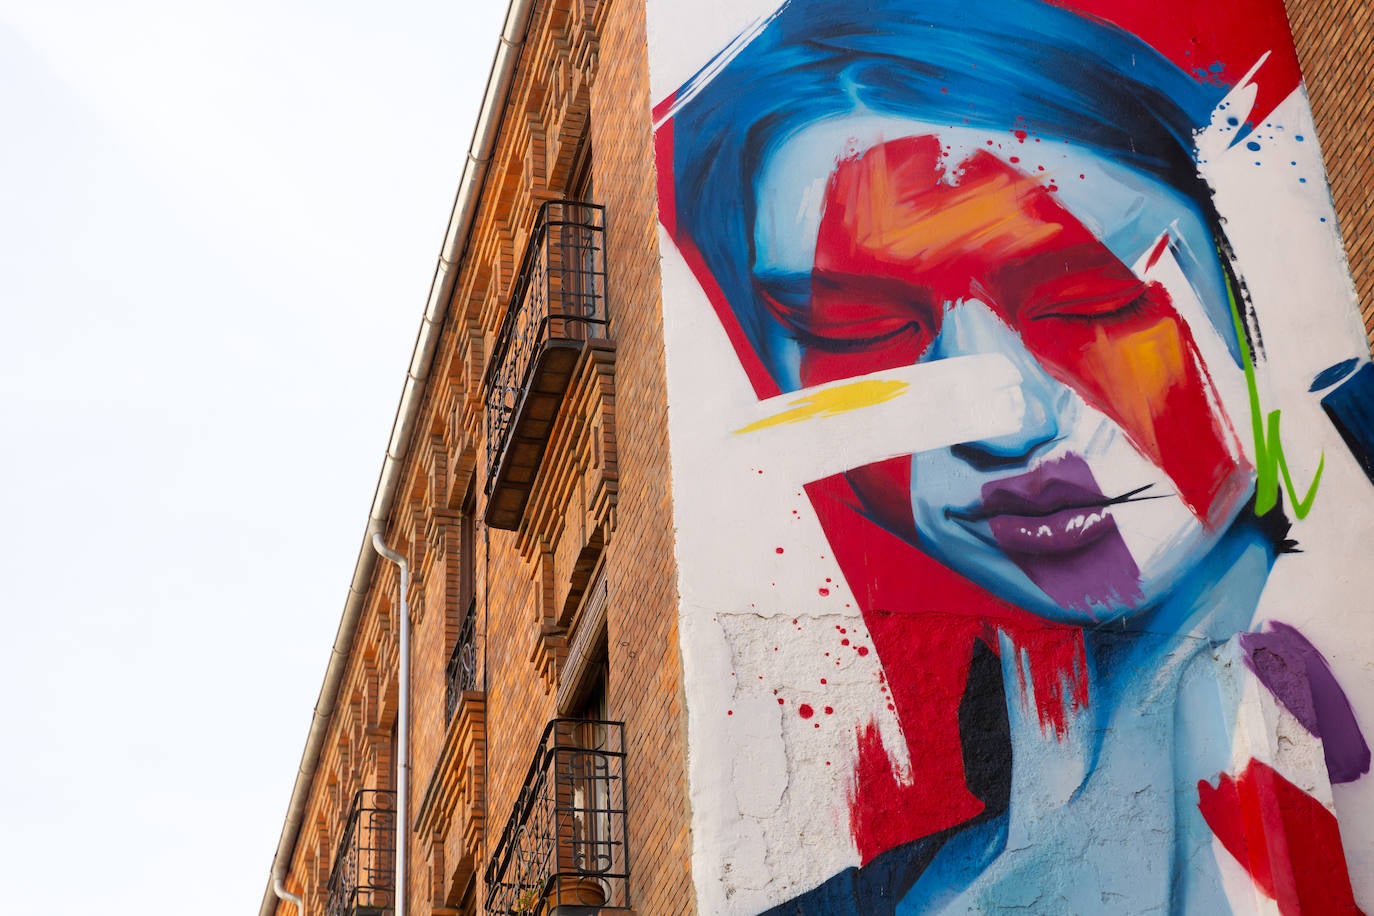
point(989, 64)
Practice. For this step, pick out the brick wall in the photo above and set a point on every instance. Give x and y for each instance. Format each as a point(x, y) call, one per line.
point(645, 669)
point(1335, 41)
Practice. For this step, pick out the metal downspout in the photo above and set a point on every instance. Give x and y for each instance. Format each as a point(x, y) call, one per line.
point(441, 290)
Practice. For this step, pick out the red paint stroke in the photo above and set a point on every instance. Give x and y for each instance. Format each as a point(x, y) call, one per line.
point(663, 160)
point(1289, 842)
point(660, 111)
point(924, 619)
point(1156, 252)
point(1059, 674)
point(1194, 36)
point(886, 812)
point(759, 377)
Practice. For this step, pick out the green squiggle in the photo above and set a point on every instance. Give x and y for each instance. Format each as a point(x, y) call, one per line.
point(1270, 462)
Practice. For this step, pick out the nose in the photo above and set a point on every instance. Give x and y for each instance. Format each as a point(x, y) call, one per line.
point(970, 328)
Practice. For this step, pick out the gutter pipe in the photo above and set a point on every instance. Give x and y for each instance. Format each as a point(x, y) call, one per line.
point(484, 135)
point(402, 726)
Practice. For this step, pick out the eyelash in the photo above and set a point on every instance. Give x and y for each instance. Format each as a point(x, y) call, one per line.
point(854, 344)
point(1130, 309)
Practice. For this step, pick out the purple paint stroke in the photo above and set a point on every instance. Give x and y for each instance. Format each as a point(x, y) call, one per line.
point(1294, 671)
point(1055, 524)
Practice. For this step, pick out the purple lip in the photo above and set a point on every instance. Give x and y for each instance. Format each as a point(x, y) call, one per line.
point(1061, 532)
point(1055, 524)
point(1033, 496)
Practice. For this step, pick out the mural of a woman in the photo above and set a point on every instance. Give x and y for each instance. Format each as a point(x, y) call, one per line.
point(1061, 607)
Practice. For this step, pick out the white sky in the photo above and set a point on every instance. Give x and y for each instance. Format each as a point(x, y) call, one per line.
point(218, 224)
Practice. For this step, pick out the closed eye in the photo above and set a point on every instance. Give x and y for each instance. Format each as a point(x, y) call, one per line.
point(1101, 308)
point(844, 313)
point(833, 342)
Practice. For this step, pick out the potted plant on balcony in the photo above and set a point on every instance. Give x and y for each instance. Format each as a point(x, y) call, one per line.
point(528, 900)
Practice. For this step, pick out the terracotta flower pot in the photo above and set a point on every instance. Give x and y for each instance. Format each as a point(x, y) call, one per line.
point(576, 891)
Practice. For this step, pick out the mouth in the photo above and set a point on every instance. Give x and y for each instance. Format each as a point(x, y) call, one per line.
point(1036, 516)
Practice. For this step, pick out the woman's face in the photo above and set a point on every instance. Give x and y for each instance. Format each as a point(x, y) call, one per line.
point(1088, 278)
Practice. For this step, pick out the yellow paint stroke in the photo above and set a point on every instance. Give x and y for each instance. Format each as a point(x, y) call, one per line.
point(832, 402)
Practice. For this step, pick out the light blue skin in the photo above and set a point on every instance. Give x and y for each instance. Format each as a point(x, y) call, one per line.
point(1106, 820)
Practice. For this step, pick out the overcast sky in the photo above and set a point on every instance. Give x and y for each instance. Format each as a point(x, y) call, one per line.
point(218, 224)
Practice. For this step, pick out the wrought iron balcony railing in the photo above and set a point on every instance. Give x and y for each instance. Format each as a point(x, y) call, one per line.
point(563, 850)
point(558, 304)
point(461, 673)
point(362, 881)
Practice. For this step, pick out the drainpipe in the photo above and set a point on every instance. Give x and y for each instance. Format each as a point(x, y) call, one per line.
point(402, 726)
point(480, 151)
point(282, 893)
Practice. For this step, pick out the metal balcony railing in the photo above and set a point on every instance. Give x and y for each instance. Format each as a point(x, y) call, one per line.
point(362, 881)
point(461, 672)
point(558, 304)
point(563, 850)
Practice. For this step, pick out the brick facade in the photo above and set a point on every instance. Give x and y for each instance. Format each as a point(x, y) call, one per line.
point(600, 510)
point(1335, 40)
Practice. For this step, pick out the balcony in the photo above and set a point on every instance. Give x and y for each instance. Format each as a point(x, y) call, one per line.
point(558, 305)
point(563, 852)
point(460, 675)
point(362, 881)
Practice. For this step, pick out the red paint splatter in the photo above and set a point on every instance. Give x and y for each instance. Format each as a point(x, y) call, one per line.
point(823, 592)
point(823, 679)
point(1020, 136)
point(781, 701)
point(829, 710)
point(805, 711)
point(862, 650)
point(844, 642)
point(778, 550)
point(729, 712)
point(1287, 840)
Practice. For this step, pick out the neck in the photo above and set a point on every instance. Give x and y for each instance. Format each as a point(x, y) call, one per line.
point(1134, 667)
